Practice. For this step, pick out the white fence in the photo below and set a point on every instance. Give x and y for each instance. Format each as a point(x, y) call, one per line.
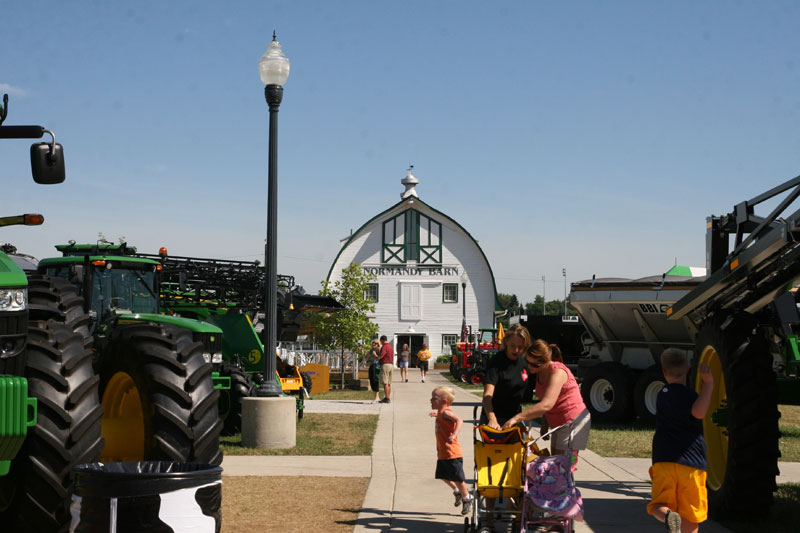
point(333, 360)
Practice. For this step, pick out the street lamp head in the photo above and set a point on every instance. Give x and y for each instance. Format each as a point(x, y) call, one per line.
point(274, 65)
point(463, 279)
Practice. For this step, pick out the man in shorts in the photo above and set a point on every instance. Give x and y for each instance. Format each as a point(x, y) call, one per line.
point(387, 368)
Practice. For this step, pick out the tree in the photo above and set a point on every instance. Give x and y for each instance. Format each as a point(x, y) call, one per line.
point(552, 307)
point(510, 303)
point(349, 328)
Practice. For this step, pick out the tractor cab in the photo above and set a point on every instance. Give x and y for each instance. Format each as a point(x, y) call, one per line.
point(120, 288)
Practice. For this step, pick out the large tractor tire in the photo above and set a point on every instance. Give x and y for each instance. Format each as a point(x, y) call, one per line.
point(606, 390)
point(35, 495)
point(57, 299)
point(648, 384)
point(230, 401)
point(741, 426)
point(158, 398)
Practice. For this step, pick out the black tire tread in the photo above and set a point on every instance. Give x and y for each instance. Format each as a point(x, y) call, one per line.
point(752, 462)
point(67, 432)
point(175, 386)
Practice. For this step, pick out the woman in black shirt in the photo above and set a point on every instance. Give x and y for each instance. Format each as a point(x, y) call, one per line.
point(506, 379)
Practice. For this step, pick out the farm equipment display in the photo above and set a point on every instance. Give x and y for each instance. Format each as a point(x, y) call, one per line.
point(470, 358)
point(49, 407)
point(230, 295)
point(747, 321)
point(156, 386)
point(626, 329)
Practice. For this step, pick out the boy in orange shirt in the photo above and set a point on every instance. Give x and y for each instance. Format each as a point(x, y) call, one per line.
point(450, 462)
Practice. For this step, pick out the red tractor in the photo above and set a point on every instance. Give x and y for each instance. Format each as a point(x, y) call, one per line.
point(471, 358)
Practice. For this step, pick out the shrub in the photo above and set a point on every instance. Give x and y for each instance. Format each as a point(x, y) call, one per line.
point(444, 359)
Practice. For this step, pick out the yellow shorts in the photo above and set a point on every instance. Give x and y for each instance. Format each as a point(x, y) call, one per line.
point(682, 489)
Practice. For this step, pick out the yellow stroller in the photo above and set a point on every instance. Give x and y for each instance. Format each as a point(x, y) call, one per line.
point(499, 477)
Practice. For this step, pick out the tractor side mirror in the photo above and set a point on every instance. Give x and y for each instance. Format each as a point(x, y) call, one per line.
point(47, 163)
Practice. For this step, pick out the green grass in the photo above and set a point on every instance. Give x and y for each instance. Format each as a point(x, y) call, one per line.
point(319, 434)
point(635, 440)
point(345, 394)
point(621, 440)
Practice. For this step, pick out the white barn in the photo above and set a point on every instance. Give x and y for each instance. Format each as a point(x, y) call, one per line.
point(429, 270)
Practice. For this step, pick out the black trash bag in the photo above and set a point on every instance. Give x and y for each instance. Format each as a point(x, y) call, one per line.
point(152, 496)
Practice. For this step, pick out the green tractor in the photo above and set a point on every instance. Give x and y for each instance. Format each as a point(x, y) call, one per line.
point(49, 407)
point(230, 294)
point(156, 385)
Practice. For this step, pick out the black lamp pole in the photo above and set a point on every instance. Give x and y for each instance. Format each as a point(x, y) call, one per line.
point(273, 94)
point(269, 387)
point(464, 301)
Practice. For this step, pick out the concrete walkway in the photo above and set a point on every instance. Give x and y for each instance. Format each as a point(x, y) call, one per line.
point(404, 496)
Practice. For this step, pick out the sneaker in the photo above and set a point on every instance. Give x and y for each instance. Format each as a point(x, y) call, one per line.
point(458, 499)
point(374, 401)
point(406, 381)
point(467, 506)
point(673, 522)
point(386, 400)
point(423, 380)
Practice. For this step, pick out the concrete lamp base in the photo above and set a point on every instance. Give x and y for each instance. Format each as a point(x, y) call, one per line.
point(269, 423)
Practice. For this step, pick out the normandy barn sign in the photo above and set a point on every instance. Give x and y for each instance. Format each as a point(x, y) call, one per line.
point(410, 271)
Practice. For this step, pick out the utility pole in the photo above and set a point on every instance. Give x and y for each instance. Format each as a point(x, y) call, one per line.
point(564, 273)
point(544, 311)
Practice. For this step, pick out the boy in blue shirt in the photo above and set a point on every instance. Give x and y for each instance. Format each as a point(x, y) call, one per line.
point(679, 497)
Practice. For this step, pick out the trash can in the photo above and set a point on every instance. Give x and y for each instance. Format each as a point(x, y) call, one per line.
point(152, 496)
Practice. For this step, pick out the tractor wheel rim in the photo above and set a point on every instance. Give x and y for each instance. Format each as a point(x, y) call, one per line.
point(716, 437)
point(123, 420)
point(651, 394)
point(602, 395)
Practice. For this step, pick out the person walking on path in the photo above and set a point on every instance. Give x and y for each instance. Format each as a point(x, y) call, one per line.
point(423, 356)
point(373, 358)
point(387, 368)
point(402, 362)
point(506, 379)
point(679, 497)
point(560, 401)
point(450, 459)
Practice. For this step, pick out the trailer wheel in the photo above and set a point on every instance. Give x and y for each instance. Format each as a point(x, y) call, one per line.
point(606, 390)
point(35, 495)
point(159, 400)
point(741, 426)
point(306, 377)
point(230, 401)
point(645, 391)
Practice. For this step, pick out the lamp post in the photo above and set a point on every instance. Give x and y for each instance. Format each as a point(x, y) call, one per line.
point(463, 305)
point(564, 273)
point(274, 69)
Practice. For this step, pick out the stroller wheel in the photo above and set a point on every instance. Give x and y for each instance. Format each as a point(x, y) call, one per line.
point(467, 528)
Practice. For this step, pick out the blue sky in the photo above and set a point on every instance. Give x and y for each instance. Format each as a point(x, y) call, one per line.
point(592, 136)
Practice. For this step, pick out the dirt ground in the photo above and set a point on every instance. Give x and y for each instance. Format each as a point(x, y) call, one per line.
point(291, 504)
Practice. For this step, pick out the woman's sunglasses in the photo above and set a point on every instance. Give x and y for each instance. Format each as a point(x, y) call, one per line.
point(533, 365)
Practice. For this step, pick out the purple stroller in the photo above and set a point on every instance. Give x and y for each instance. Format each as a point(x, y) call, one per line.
point(551, 499)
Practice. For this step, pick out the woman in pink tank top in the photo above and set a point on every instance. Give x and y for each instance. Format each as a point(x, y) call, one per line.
point(560, 400)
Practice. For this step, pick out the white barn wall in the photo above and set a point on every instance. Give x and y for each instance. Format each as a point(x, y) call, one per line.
point(460, 254)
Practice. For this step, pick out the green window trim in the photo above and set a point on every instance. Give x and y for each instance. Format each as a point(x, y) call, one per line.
point(447, 340)
point(450, 293)
point(411, 236)
point(372, 292)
